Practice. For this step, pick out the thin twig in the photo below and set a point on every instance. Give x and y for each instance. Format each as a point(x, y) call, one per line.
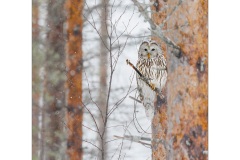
point(135, 99)
point(133, 139)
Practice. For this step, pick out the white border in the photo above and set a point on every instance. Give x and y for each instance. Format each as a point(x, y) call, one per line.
point(15, 81)
point(224, 80)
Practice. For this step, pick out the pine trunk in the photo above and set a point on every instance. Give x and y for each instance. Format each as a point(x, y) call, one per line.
point(160, 120)
point(74, 78)
point(55, 77)
point(187, 87)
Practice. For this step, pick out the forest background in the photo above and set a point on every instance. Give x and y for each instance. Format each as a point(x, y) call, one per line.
point(15, 111)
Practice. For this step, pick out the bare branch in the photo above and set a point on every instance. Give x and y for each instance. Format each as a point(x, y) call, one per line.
point(136, 139)
point(135, 99)
point(144, 14)
point(157, 30)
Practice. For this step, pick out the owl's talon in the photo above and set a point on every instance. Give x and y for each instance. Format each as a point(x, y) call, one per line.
point(152, 86)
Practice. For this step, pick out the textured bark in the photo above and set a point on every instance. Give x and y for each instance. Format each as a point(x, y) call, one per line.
point(188, 82)
point(35, 80)
point(74, 78)
point(55, 76)
point(159, 123)
point(187, 87)
point(102, 95)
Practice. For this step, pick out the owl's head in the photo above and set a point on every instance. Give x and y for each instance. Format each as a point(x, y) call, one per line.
point(149, 49)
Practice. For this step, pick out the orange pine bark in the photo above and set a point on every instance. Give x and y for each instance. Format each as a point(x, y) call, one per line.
point(74, 78)
point(188, 82)
point(187, 86)
point(159, 123)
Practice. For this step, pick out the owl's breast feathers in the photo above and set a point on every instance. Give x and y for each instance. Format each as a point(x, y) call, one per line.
point(150, 68)
point(153, 69)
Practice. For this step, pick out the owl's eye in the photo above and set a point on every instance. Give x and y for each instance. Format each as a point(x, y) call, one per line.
point(145, 49)
point(153, 49)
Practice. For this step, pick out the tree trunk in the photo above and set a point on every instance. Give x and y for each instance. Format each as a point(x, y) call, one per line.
point(35, 17)
point(55, 76)
point(74, 78)
point(102, 95)
point(35, 80)
point(159, 123)
point(187, 87)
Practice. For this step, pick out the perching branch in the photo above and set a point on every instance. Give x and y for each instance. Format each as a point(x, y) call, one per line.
point(155, 89)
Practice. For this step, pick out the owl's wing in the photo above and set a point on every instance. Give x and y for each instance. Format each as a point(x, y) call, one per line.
point(160, 72)
point(147, 96)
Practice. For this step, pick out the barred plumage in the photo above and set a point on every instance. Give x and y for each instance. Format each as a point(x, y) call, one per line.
point(151, 64)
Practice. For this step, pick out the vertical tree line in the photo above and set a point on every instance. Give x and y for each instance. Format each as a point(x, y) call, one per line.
point(183, 121)
point(160, 120)
point(35, 79)
point(55, 77)
point(103, 78)
point(74, 64)
point(179, 127)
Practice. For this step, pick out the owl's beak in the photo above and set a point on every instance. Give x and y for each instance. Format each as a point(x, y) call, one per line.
point(148, 55)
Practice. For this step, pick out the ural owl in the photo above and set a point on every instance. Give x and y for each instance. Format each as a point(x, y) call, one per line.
point(150, 63)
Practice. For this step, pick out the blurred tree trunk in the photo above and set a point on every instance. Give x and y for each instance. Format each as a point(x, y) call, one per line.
point(187, 87)
point(35, 17)
point(74, 65)
point(38, 83)
point(55, 76)
point(35, 80)
point(103, 66)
